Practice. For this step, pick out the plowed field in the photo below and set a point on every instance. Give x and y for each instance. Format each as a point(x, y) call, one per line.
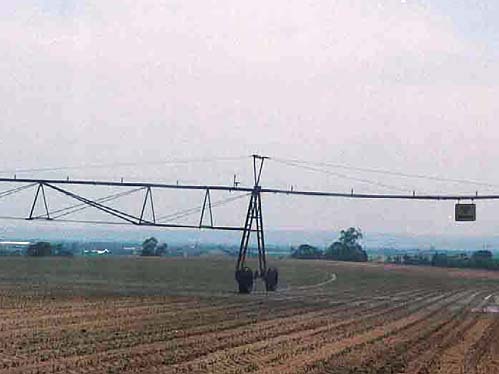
point(183, 316)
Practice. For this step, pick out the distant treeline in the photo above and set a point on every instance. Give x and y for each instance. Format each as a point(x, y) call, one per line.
point(42, 249)
point(478, 260)
point(346, 248)
point(149, 247)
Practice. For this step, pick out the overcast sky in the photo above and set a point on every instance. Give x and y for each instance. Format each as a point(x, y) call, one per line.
point(408, 86)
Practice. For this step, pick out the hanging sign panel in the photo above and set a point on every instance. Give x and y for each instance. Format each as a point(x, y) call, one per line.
point(465, 212)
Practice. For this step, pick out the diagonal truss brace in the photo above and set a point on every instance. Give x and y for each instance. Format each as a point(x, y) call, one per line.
point(253, 215)
point(45, 204)
point(129, 218)
point(148, 195)
point(206, 202)
point(112, 211)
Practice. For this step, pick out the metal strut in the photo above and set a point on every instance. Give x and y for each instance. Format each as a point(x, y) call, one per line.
point(40, 188)
point(207, 200)
point(244, 275)
point(148, 195)
point(253, 214)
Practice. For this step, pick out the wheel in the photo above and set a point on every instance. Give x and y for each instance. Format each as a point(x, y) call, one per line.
point(271, 279)
point(244, 278)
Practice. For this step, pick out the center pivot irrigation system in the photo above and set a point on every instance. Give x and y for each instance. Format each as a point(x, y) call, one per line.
point(253, 223)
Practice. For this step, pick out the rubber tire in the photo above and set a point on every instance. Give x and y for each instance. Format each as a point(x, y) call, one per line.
point(271, 279)
point(244, 278)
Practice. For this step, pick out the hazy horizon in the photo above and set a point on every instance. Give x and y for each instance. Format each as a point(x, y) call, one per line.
point(321, 238)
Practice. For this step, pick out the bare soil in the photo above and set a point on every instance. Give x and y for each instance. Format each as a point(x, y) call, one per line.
point(135, 316)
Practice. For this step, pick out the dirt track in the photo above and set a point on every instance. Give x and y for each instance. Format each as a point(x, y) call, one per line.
point(428, 324)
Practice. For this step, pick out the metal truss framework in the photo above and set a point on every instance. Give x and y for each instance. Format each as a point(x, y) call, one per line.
point(139, 219)
point(254, 216)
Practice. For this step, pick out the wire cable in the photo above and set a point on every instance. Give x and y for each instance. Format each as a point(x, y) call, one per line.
point(14, 218)
point(123, 164)
point(187, 212)
point(389, 172)
point(16, 190)
point(82, 206)
point(340, 175)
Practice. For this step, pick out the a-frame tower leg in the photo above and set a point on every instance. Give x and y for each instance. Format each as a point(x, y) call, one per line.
point(254, 223)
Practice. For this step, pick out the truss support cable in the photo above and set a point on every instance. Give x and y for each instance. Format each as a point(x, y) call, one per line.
point(114, 212)
point(343, 176)
point(389, 172)
point(16, 190)
point(82, 206)
point(195, 210)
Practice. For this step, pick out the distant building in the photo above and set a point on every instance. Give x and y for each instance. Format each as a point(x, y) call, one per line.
point(13, 247)
point(133, 250)
point(96, 252)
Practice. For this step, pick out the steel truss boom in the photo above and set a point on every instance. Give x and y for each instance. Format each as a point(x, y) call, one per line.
point(55, 185)
point(414, 196)
point(252, 224)
point(126, 184)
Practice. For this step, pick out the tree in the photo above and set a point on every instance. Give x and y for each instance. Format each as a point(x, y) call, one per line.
point(482, 259)
point(306, 251)
point(149, 246)
point(440, 259)
point(347, 248)
point(59, 250)
point(161, 249)
point(417, 259)
point(482, 255)
point(39, 249)
point(350, 237)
